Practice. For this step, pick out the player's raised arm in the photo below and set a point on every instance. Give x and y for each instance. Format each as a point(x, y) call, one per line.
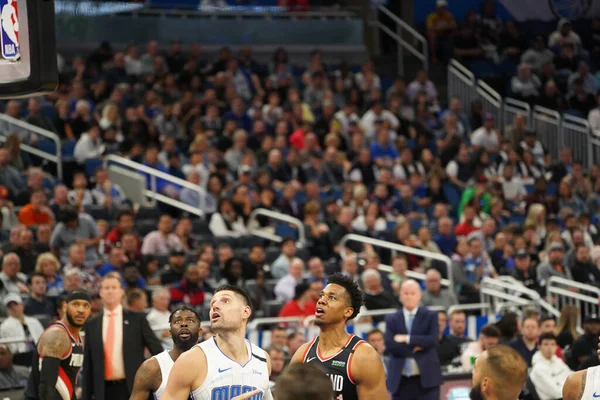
point(368, 373)
point(188, 373)
point(52, 347)
point(144, 380)
point(298, 357)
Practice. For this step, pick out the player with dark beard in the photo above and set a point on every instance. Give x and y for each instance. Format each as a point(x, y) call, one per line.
point(59, 353)
point(499, 374)
point(153, 374)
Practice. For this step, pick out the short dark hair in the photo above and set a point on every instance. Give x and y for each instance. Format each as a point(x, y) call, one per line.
point(372, 332)
point(293, 335)
point(123, 213)
point(490, 331)
point(355, 295)
point(545, 318)
point(547, 336)
point(33, 275)
point(304, 381)
point(185, 308)
point(68, 214)
point(134, 294)
point(240, 292)
point(287, 239)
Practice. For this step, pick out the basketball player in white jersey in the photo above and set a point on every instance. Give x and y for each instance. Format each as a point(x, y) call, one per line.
point(583, 384)
point(227, 365)
point(152, 376)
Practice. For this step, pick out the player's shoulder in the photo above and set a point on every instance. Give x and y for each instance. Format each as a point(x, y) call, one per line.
point(150, 366)
point(363, 351)
point(258, 352)
point(55, 333)
point(194, 357)
point(574, 386)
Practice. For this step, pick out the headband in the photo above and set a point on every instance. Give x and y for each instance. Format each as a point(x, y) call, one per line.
point(79, 295)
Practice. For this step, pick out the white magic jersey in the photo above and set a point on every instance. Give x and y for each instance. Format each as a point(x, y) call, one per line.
point(227, 379)
point(592, 384)
point(165, 362)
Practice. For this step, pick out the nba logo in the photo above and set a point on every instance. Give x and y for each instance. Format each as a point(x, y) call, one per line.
point(9, 30)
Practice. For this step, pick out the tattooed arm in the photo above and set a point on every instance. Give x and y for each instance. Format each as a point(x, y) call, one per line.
point(574, 386)
point(52, 347)
point(147, 379)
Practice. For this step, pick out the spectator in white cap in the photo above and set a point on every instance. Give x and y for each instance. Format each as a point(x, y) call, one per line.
point(19, 326)
point(439, 24)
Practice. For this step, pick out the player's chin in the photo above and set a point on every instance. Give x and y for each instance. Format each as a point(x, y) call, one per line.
point(320, 322)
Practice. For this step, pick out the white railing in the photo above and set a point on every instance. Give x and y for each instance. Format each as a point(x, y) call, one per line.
point(575, 134)
point(546, 123)
point(401, 28)
point(514, 107)
point(255, 229)
point(470, 307)
point(491, 101)
point(493, 290)
point(403, 249)
point(8, 124)
point(461, 83)
point(568, 292)
point(155, 174)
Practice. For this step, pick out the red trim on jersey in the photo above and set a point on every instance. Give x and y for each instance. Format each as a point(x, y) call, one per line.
point(310, 344)
point(336, 354)
point(62, 375)
point(348, 368)
point(62, 324)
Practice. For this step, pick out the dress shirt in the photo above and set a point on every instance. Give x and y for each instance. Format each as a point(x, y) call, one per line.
point(407, 316)
point(117, 356)
point(158, 319)
point(12, 328)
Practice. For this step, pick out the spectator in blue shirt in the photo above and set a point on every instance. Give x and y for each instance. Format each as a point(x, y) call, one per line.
point(116, 260)
point(383, 153)
point(445, 238)
point(527, 344)
point(238, 114)
point(162, 186)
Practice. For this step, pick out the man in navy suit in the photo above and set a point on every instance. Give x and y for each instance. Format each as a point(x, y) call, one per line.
point(411, 341)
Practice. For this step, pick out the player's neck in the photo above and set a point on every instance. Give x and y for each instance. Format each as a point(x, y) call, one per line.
point(233, 345)
point(331, 337)
point(72, 329)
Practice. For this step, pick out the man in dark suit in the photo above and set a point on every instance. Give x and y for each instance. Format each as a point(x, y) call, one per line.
point(411, 341)
point(114, 345)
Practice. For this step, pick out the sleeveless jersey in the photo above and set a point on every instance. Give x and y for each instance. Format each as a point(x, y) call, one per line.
point(226, 379)
point(70, 364)
point(336, 367)
point(165, 362)
point(592, 384)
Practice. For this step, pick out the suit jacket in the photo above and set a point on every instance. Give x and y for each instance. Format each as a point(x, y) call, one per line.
point(136, 335)
point(424, 333)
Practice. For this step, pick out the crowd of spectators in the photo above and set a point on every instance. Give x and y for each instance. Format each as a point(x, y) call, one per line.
point(328, 145)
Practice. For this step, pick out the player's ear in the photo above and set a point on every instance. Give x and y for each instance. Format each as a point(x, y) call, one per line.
point(348, 312)
point(247, 312)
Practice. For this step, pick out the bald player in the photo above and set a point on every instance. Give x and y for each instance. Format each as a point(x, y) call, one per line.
point(499, 374)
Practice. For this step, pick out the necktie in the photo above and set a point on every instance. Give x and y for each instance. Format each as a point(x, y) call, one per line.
point(108, 347)
point(408, 367)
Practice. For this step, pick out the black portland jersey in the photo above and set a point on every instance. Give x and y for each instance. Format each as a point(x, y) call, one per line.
point(336, 367)
point(70, 365)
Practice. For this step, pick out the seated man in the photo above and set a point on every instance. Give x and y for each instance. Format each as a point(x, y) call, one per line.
point(489, 336)
point(549, 372)
point(11, 376)
point(304, 302)
point(527, 345)
point(435, 295)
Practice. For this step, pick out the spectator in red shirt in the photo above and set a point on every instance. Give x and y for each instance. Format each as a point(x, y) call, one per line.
point(125, 221)
point(305, 300)
point(466, 226)
point(36, 212)
point(193, 288)
point(297, 138)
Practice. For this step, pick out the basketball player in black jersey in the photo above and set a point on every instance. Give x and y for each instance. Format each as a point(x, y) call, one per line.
point(185, 330)
point(59, 354)
point(354, 367)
